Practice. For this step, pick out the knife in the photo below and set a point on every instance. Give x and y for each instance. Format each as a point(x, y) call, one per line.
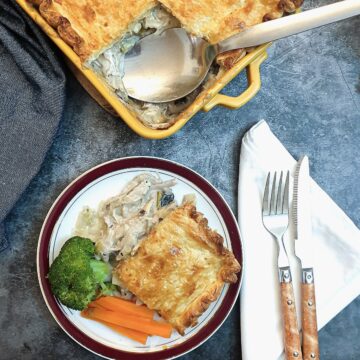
point(303, 250)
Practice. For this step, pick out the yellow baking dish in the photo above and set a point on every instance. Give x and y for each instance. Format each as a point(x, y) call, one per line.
point(205, 101)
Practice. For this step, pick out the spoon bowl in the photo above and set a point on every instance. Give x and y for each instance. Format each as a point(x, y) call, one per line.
point(172, 63)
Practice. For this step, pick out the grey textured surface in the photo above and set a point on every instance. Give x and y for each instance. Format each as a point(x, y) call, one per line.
point(311, 99)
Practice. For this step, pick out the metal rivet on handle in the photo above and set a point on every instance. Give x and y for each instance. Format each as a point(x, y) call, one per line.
point(310, 303)
point(312, 355)
point(289, 302)
point(295, 353)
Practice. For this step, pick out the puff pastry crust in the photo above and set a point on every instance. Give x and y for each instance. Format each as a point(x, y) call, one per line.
point(216, 20)
point(180, 268)
point(92, 26)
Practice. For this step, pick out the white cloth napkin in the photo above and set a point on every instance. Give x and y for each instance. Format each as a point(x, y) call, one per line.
point(335, 245)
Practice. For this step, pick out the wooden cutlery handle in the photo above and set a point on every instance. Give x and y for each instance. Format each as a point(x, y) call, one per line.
point(308, 312)
point(291, 330)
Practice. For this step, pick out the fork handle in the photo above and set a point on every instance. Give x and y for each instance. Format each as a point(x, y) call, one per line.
point(291, 330)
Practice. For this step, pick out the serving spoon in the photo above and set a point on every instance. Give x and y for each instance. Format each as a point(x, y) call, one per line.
point(169, 66)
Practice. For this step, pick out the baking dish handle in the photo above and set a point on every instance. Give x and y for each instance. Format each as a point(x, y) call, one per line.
point(254, 84)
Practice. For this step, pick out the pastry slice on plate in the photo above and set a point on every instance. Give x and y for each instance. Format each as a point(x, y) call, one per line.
point(180, 267)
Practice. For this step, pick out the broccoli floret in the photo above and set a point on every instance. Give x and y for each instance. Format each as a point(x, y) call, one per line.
point(78, 244)
point(101, 270)
point(108, 289)
point(75, 276)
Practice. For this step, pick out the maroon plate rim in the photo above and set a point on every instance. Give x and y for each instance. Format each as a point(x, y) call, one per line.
point(67, 195)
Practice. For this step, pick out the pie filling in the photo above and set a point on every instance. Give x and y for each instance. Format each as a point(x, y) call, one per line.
point(110, 66)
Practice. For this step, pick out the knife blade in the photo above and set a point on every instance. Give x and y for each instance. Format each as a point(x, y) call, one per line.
point(304, 251)
point(302, 213)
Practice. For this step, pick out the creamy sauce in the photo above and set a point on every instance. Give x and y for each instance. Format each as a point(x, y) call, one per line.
point(120, 222)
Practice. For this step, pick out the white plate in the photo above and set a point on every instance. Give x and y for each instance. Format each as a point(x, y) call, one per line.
point(110, 182)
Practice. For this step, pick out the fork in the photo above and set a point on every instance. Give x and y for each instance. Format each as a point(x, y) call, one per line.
point(275, 216)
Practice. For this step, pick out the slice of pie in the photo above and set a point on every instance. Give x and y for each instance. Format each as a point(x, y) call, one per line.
point(180, 267)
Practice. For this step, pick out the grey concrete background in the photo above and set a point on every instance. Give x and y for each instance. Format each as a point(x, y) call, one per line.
point(310, 97)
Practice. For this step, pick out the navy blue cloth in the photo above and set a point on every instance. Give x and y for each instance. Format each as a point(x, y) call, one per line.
point(32, 97)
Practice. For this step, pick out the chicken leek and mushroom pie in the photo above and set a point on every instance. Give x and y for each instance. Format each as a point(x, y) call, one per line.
point(101, 32)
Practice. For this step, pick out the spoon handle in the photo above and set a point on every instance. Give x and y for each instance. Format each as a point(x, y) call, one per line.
point(290, 25)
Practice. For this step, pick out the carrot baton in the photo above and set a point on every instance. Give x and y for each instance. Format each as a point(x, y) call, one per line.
point(132, 334)
point(124, 306)
point(147, 326)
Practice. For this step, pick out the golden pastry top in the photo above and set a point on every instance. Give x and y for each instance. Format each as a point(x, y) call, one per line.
point(216, 20)
point(92, 26)
point(180, 267)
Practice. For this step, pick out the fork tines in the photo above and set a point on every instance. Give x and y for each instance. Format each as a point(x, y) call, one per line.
point(279, 197)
